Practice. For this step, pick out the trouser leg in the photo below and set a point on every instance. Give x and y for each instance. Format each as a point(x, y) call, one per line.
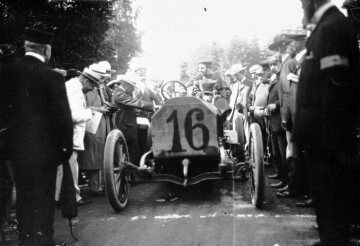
point(142, 139)
point(281, 142)
point(75, 173)
point(59, 177)
point(134, 152)
point(6, 185)
point(278, 141)
point(298, 182)
point(330, 184)
point(35, 185)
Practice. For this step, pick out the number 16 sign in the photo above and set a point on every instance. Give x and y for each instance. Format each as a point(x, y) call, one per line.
point(185, 127)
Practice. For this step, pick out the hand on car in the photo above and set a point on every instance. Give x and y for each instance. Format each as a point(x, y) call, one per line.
point(271, 107)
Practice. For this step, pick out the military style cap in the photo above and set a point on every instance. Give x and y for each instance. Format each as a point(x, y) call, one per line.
point(40, 37)
point(206, 62)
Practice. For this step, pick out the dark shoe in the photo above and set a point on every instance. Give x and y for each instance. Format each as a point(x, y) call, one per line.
point(285, 188)
point(274, 176)
point(82, 202)
point(309, 203)
point(355, 230)
point(63, 243)
point(279, 184)
point(286, 194)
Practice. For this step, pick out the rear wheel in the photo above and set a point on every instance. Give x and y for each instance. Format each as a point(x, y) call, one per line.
point(239, 150)
point(257, 177)
point(117, 181)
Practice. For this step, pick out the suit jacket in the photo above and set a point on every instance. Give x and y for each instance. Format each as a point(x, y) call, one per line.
point(290, 65)
point(79, 113)
point(328, 90)
point(148, 95)
point(273, 97)
point(40, 124)
point(125, 119)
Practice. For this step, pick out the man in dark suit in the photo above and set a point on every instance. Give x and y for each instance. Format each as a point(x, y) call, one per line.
point(125, 119)
point(40, 133)
point(326, 116)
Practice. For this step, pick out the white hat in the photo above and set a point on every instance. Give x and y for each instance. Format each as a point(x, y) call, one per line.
point(236, 68)
point(91, 75)
point(106, 65)
point(129, 78)
point(254, 68)
point(99, 69)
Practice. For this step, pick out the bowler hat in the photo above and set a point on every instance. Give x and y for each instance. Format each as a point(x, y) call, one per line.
point(40, 37)
point(279, 40)
point(72, 73)
point(92, 76)
point(296, 36)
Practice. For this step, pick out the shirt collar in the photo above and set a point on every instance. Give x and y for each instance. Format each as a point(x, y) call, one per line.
point(33, 54)
point(321, 11)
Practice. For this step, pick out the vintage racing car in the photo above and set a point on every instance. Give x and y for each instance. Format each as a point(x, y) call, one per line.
point(189, 144)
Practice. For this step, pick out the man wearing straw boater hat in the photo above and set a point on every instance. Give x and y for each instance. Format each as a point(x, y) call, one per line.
point(40, 133)
point(76, 88)
point(125, 119)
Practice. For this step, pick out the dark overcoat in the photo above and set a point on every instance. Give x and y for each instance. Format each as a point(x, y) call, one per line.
point(273, 97)
point(328, 91)
point(41, 137)
point(125, 119)
point(92, 157)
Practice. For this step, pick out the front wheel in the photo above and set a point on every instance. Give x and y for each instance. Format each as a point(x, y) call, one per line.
point(117, 181)
point(257, 176)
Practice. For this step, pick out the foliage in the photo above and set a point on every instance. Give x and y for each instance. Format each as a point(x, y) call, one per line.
point(247, 52)
point(85, 31)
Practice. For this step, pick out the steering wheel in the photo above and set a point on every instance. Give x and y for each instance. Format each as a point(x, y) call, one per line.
point(173, 89)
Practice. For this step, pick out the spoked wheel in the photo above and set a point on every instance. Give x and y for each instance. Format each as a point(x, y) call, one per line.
point(117, 181)
point(238, 126)
point(257, 177)
point(173, 89)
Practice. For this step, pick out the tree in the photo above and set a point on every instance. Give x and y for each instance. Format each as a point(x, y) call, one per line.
point(85, 31)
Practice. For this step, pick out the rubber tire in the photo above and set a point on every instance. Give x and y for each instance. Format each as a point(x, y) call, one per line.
point(111, 141)
point(238, 126)
point(257, 176)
